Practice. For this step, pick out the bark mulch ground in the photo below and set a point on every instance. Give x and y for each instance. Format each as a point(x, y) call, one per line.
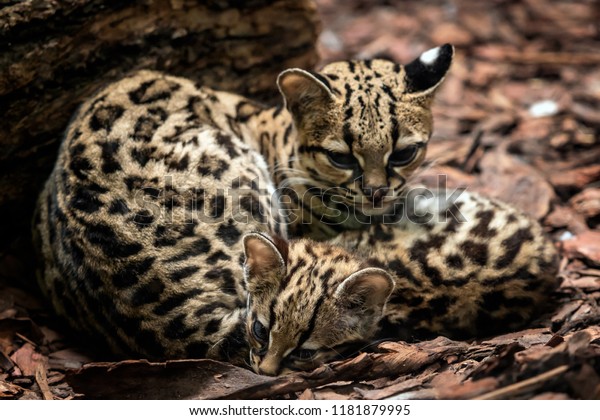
point(518, 119)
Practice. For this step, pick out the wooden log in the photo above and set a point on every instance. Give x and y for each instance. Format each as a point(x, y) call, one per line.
point(53, 54)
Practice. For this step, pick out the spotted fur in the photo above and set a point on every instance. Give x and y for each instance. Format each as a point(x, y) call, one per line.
point(461, 266)
point(159, 234)
point(140, 224)
point(465, 266)
point(160, 229)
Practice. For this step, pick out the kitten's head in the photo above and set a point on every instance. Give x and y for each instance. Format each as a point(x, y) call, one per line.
point(364, 125)
point(308, 303)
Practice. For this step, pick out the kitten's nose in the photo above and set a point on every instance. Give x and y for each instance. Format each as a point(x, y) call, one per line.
point(268, 370)
point(375, 194)
point(270, 365)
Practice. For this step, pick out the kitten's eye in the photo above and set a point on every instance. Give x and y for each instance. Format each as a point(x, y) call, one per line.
point(304, 354)
point(403, 156)
point(260, 332)
point(342, 160)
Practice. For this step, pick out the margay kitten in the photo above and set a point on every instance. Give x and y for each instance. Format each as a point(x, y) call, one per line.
point(141, 223)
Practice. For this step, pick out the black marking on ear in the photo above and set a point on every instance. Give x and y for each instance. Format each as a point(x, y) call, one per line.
point(322, 79)
point(428, 70)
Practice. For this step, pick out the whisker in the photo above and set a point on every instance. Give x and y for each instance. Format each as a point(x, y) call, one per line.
point(339, 355)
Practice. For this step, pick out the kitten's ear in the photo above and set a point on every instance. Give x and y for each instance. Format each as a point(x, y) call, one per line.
point(304, 92)
point(367, 289)
point(265, 260)
point(426, 73)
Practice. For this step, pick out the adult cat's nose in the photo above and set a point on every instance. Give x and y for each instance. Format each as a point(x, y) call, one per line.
point(375, 194)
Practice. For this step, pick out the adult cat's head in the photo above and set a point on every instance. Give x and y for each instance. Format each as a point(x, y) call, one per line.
point(364, 125)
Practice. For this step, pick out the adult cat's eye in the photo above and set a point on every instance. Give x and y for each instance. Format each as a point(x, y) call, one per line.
point(259, 331)
point(403, 156)
point(304, 354)
point(342, 160)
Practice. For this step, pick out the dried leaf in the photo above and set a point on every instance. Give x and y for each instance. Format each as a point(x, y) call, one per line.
point(584, 245)
point(27, 359)
point(562, 216)
point(507, 178)
point(587, 202)
point(8, 390)
point(181, 379)
point(467, 390)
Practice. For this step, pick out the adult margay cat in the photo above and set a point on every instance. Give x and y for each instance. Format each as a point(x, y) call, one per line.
point(141, 226)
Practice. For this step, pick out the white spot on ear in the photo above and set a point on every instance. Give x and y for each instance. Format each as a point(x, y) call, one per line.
point(429, 56)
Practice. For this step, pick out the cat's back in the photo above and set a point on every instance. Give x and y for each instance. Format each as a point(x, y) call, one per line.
point(139, 226)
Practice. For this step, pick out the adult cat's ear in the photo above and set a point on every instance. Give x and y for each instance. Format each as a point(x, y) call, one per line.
point(265, 260)
point(305, 93)
point(367, 289)
point(426, 73)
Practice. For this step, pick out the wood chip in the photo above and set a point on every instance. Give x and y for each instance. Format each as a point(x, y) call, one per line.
point(42, 381)
point(584, 245)
point(509, 179)
point(528, 385)
point(587, 202)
